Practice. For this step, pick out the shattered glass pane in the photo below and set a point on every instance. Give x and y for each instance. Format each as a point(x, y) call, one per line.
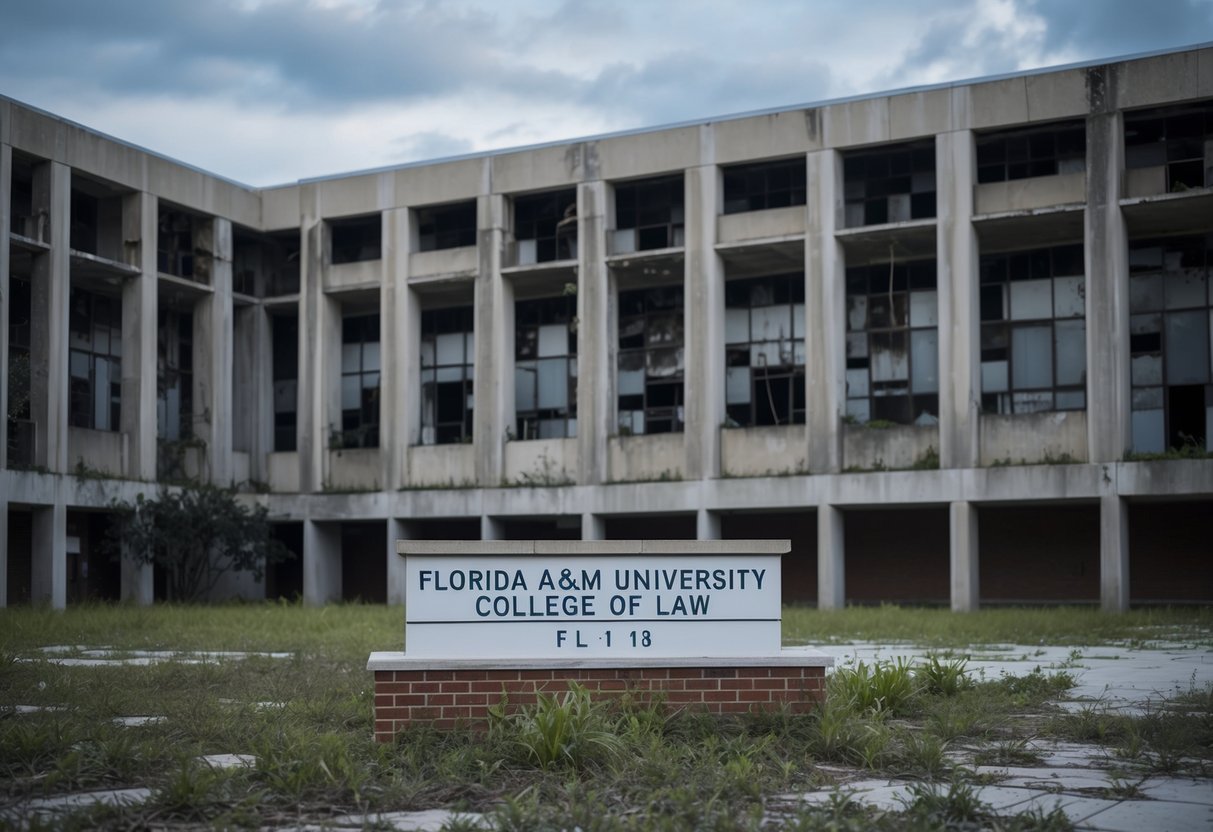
point(766, 355)
point(664, 363)
point(1147, 398)
point(857, 345)
point(427, 353)
point(450, 348)
point(553, 384)
point(1146, 369)
point(924, 308)
point(1069, 297)
point(889, 359)
point(1032, 402)
point(857, 312)
point(857, 383)
point(1185, 289)
point(769, 323)
point(553, 340)
point(1145, 293)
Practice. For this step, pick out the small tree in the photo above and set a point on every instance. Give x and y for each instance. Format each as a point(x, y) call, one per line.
point(196, 535)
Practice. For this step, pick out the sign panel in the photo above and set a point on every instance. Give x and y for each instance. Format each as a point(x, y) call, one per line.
point(592, 606)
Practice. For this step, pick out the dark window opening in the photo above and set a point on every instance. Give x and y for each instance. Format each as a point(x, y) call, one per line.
point(21, 202)
point(21, 431)
point(653, 210)
point(446, 226)
point(266, 265)
point(448, 348)
point(95, 360)
point(765, 185)
point(1170, 320)
point(1033, 331)
point(1021, 154)
point(891, 184)
point(545, 226)
point(175, 243)
point(175, 375)
point(285, 334)
point(764, 350)
point(893, 343)
point(1177, 138)
point(545, 368)
point(356, 239)
point(651, 361)
point(360, 381)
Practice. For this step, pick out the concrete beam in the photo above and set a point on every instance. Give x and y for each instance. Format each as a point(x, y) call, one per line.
point(825, 313)
point(831, 558)
point(707, 525)
point(963, 555)
point(593, 527)
point(48, 556)
point(1113, 553)
point(50, 292)
point(490, 528)
point(397, 333)
point(321, 563)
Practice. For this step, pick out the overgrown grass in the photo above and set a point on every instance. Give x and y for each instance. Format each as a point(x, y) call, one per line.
point(567, 762)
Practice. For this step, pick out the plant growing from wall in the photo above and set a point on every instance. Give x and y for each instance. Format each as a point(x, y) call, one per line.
point(195, 536)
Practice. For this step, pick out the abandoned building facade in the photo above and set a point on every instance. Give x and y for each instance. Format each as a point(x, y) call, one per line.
point(953, 342)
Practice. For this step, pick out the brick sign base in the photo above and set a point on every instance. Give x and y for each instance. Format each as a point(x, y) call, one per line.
point(451, 693)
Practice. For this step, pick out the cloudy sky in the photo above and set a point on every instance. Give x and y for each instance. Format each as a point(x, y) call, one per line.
point(270, 91)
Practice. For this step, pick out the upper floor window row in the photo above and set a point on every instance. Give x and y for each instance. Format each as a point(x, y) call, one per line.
point(765, 185)
point(1022, 154)
point(894, 183)
point(1178, 139)
point(649, 213)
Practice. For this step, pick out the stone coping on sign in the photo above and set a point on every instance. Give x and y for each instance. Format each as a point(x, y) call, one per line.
point(593, 547)
point(788, 657)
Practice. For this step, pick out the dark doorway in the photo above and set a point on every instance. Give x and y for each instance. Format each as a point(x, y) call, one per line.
point(285, 578)
point(364, 562)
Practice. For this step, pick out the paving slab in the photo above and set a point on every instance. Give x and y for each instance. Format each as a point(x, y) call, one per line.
point(1153, 815)
point(137, 721)
point(45, 809)
point(1047, 779)
point(229, 760)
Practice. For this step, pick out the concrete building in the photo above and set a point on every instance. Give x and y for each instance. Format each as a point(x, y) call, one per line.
point(942, 339)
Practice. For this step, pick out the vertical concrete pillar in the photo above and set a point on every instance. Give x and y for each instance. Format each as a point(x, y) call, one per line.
point(397, 332)
point(311, 414)
point(963, 555)
point(707, 525)
point(213, 352)
point(825, 313)
point(490, 528)
point(48, 556)
point(50, 290)
point(1107, 266)
point(493, 384)
point(593, 526)
point(259, 395)
point(139, 320)
point(831, 558)
point(137, 582)
point(397, 529)
point(6, 183)
point(704, 311)
point(321, 563)
point(1113, 553)
point(958, 312)
point(595, 335)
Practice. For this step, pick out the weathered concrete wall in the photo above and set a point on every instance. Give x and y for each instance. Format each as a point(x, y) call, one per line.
point(641, 458)
point(449, 261)
point(541, 462)
point(97, 451)
point(1026, 194)
point(1059, 436)
point(764, 451)
point(756, 225)
point(284, 471)
point(893, 447)
point(449, 466)
point(353, 469)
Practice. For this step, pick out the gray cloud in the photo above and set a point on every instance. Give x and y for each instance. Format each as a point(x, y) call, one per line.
point(1117, 27)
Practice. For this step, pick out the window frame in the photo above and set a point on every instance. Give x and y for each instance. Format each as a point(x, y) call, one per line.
point(360, 425)
point(740, 354)
point(436, 323)
point(652, 303)
point(755, 195)
point(997, 160)
point(873, 176)
point(530, 317)
point(446, 226)
point(83, 390)
point(550, 226)
point(657, 225)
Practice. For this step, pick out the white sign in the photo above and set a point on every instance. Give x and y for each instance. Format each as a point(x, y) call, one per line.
point(591, 606)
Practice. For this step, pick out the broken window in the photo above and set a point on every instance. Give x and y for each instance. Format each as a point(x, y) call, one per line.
point(20, 424)
point(1022, 154)
point(95, 360)
point(356, 239)
point(1171, 316)
point(893, 343)
point(285, 335)
point(1177, 138)
point(360, 381)
point(175, 242)
point(446, 226)
point(651, 361)
point(652, 211)
point(891, 184)
point(174, 374)
point(545, 226)
point(545, 368)
point(1033, 331)
point(22, 221)
point(764, 350)
point(765, 185)
point(448, 348)
point(265, 264)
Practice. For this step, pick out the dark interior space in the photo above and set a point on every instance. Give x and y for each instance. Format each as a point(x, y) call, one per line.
point(799, 565)
point(93, 573)
point(284, 579)
point(538, 528)
point(1171, 552)
point(1186, 415)
point(20, 543)
point(665, 527)
point(1038, 553)
point(364, 562)
point(459, 529)
point(897, 555)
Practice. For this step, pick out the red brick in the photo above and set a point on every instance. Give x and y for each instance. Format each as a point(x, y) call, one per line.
point(393, 713)
point(770, 684)
point(501, 675)
point(426, 687)
point(534, 674)
point(683, 697)
point(456, 712)
point(471, 699)
point(440, 699)
point(703, 684)
point(440, 675)
point(686, 673)
point(459, 686)
point(425, 713)
point(736, 684)
point(732, 708)
point(720, 696)
point(720, 672)
point(403, 699)
point(655, 673)
point(383, 700)
point(754, 695)
point(394, 687)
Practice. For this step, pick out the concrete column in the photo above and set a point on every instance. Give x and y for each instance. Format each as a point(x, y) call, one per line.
point(825, 313)
point(1113, 553)
point(493, 385)
point(139, 320)
point(321, 563)
point(963, 552)
point(311, 414)
point(6, 183)
point(138, 582)
point(959, 311)
point(396, 530)
point(213, 352)
point(831, 558)
point(1107, 307)
point(704, 311)
point(48, 556)
point(593, 526)
point(595, 335)
point(50, 290)
point(490, 528)
point(707, 525)
point(397, 333)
